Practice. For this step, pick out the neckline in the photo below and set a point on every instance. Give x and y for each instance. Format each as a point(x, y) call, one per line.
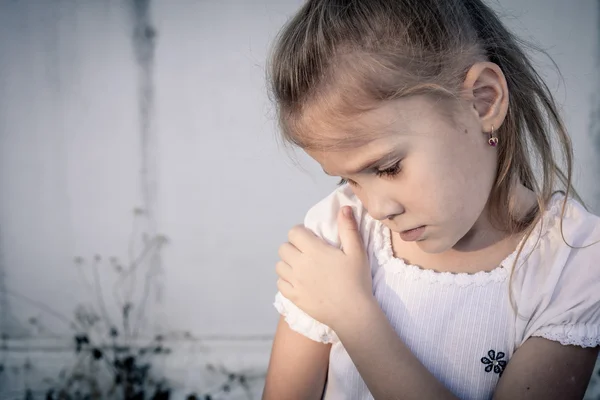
point(386, 259)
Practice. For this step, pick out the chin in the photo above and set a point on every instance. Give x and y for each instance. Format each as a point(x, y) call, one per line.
point(433, 246)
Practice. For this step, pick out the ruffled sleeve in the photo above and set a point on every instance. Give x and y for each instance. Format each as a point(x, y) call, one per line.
point(322, 220)
point(302, 323)
point(559, 285)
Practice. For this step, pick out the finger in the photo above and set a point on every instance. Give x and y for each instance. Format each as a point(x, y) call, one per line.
point(285, 272)
point(288, 252)
point(286, 289)
point(348, 231)
point(304, 239)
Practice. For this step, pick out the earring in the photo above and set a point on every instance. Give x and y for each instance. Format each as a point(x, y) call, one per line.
point(493, 140)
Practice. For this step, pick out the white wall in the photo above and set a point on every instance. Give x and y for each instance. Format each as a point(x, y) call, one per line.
point(217, 185)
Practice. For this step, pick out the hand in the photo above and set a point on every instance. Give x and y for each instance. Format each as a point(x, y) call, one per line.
point(323, 281)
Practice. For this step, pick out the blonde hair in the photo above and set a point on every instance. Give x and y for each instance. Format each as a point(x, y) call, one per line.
point(343, 57)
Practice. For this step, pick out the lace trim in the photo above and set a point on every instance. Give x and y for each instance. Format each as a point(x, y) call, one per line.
point(573, 334)
point(383, 252)
point(302, 323)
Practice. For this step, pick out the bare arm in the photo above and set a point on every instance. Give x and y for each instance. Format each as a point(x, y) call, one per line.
point(539, 369)
point(544, 369)
point(297, 368)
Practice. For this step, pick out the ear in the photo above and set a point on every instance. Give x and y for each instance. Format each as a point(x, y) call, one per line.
point(486, 90)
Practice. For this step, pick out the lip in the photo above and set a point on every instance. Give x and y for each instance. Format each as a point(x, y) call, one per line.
point(412, 235)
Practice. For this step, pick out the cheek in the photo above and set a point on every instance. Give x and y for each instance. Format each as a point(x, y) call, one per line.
point(446, 187)
point(429, 182)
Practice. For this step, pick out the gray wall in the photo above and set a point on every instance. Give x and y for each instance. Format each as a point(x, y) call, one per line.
point(106, 108)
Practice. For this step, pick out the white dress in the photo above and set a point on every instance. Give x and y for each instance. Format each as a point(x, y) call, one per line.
point(461, 326)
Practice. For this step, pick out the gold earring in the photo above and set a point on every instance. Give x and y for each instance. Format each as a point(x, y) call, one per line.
point(493, 140)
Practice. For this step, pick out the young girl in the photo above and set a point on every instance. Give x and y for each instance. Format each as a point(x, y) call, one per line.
point(445, 265)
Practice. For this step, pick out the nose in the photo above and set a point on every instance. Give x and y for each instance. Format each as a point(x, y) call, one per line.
point(381, 208)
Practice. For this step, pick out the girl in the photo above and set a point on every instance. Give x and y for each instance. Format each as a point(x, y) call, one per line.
point(444, 266)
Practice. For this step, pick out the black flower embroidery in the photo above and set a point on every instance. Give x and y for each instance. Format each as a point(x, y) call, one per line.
point(494, 361)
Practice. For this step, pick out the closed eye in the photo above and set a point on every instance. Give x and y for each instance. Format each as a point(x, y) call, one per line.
point(388, 172)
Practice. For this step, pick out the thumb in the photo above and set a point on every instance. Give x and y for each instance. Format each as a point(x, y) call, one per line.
point(348, 231)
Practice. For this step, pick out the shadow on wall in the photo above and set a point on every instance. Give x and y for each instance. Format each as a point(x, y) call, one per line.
point(107, 358)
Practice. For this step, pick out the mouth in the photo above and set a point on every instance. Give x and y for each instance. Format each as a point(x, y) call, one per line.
point(412, 235)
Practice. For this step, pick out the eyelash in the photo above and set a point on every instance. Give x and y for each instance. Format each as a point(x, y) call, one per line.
point(388, 172)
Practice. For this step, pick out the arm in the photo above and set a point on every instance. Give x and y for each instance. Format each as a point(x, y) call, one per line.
point(297, 368)
point(539, 369)
point(544, 369)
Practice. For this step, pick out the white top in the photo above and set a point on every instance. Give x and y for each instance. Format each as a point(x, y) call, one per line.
point(461, 326)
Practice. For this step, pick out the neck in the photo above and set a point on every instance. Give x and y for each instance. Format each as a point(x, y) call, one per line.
point(484, 233)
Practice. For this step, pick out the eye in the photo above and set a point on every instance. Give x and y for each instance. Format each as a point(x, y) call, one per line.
point(348, 181)
point(391, 171)
point(388, 172)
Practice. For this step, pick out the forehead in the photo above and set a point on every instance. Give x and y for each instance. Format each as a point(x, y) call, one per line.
point(346, 142)
point(325, 127)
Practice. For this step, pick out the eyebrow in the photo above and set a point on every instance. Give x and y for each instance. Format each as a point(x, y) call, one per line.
point(369, 164)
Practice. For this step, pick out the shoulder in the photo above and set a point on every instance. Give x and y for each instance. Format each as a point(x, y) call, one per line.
point(557, 284)
point(322, 217)
point(568, 236)
point(579, 226)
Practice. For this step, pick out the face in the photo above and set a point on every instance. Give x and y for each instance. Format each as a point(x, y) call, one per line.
point(424, 166)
